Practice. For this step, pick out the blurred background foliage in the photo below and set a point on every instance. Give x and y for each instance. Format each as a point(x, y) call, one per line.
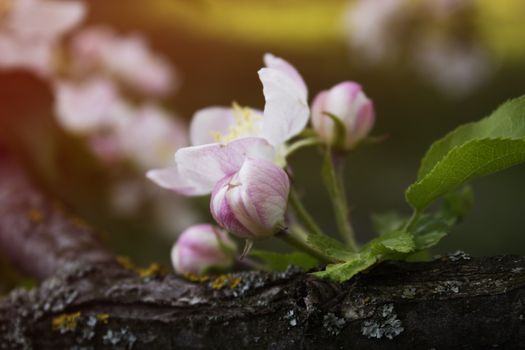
point(217, 47)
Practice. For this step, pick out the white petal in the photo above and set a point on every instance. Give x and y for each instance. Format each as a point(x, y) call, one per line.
point(284, 66)
point(45, 19)
point(209, 120)
point(170, 179)
point(286, 110)
point(205, 165)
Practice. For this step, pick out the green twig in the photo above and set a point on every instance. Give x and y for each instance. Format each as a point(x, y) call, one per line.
point(303, 214)
point(412, 221)
point(300, 244)
point(294, 147)
point(333, 178)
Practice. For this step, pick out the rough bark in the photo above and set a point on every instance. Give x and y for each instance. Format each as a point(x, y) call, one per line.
point(88, 301)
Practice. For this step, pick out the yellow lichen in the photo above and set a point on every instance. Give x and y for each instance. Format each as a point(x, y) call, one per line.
point(223, 281)
point(104, 318)
point(152, 270)
point(196, 278)
point(35, 215)
point(67, 322)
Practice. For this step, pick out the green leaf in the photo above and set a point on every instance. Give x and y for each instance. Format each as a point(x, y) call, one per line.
point(457, 204)
point(431, 228)
point(473, 159)
point(329, 246)
point(394, 242)
point(387, 222)
point(344, 271)
point(281, 261)
point(472, 150)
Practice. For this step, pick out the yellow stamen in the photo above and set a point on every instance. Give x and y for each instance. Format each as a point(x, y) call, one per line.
point(245, 125)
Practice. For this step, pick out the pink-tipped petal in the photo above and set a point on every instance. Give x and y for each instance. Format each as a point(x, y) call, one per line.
point(207, 164)
point(267, 197)
point(251, 203)
point(347, 102)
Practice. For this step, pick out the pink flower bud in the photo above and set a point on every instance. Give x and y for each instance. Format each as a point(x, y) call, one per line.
point(251, 203)
point(202, 247)
point(348, 102)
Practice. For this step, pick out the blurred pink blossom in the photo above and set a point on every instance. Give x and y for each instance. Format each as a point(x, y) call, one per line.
point(30, 31)
point(151, 136)
point(89, 106)
point(455, 69)
point(128, 58)
point(369, 25)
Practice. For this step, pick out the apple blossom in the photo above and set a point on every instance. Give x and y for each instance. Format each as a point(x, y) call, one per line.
point(31, 29)
point(285, 113)
point(347, 102)
point(201, 248)
point(129, 58)
point(252, 202)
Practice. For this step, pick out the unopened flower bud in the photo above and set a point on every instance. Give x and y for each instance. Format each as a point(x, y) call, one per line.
point(201, 248)
point(347, 102)
point(252, 202)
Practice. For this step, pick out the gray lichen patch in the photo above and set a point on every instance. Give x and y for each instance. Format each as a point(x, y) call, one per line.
point(408, 293)
point(121, 337)
point(384, 324)
point(291, 317)
point(333, 324)
point(448, 287)
point(458, 255)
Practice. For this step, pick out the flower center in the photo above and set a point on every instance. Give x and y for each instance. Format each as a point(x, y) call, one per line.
point(245, 125)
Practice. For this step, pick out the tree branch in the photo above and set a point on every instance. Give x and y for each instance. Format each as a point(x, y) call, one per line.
point(91, 302)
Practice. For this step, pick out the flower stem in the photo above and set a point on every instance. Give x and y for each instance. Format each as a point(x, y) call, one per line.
point(294, 147)
point(333, 177)
point(298, 243)
point(303, 214)
point(413, 219)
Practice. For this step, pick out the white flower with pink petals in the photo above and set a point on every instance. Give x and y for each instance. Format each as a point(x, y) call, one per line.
point(30, 30)
point(250, 191)
point(201, 248)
